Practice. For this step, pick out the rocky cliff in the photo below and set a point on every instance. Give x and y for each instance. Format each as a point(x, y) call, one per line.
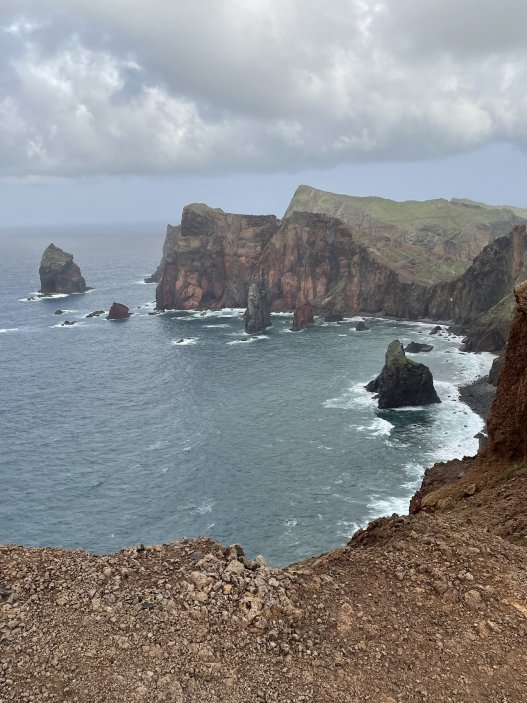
point(210, 262)
point(422, 241)
point(169, 245)
point(59, 274)
point(211, 259)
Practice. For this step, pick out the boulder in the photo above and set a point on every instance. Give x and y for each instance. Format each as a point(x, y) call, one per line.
point(59, 274)
point(303, 317)
point(417, 348)
point(59, 312)
point(402, 381)
point(68, 323)
point(118, 311)
point(95, 313)
point(258, 313)
point(435, 329)
point(361, 326)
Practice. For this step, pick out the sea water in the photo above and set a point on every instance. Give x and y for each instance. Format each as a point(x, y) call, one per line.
point(116, 433)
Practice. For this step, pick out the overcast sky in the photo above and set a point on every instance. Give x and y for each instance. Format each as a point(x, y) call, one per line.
point(127, 109)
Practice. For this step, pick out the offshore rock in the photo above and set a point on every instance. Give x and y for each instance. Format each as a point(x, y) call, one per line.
point(361, 326)
point(258, 313)
point(417, 348)
point(118, 311)
point(59, 274)
point(402, 381)
point(333, 317)
point(303, 317)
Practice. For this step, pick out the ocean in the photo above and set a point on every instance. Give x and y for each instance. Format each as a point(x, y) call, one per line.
point(113, 434)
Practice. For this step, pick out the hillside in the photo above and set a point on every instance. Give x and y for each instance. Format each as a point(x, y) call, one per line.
point(423, 241)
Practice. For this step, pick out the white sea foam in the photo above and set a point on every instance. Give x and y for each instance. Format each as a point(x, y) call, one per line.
point(189, 341)
point(62, 326)
point(282, 314)
point(35, 297)
point(221, 324)
point(146, 283)
point(249, 340)
point(9, 329)
point(206, 506)
point(378, 428)
point(387, 505)
point(354, 396)
point(347, 528)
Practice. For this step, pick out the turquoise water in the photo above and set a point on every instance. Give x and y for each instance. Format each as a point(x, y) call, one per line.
point(113, 434)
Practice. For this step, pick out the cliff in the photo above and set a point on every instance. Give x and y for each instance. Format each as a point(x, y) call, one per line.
point(169, 245)
point(423, 241)
point(211, 259)
point(340, 268)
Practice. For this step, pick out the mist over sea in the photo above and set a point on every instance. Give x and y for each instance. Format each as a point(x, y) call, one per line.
point(112, 434)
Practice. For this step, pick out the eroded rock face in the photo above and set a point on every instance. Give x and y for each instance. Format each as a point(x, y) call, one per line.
point(402, 381)
point(169, 245)
point(118, 311)
point(258, 313)
point(508, 417)
point(303, 317)
point(212, 259)
point(59, 274)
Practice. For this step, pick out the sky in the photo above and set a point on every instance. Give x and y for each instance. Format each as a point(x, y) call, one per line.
point(126, 110)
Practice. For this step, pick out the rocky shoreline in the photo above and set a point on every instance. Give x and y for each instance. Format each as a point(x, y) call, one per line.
point(479, 396)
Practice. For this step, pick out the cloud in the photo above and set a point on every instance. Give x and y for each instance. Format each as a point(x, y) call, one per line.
point(218, 86)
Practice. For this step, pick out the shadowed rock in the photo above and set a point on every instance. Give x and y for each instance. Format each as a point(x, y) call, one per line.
point(417, 347)
point(333, 317)
point(303, 317)
point(118, 311)
point(361, 326)
point(402, 381)
point(59, 274)
point(258, 313)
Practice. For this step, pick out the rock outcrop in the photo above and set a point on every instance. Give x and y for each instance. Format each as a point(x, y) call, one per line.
point(258, 313)
point(211, 261)
point(403, 382)
point(303, 317)
point(361, 326)
point(59, 274)
point(417, 348)
point(118, 311)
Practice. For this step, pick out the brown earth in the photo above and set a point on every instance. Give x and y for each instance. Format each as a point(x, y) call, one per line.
point(426, 607)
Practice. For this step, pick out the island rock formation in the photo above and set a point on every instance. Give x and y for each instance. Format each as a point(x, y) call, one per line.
point(59, 274)
point(118, 311)
point(403, 382)
point(258, 313)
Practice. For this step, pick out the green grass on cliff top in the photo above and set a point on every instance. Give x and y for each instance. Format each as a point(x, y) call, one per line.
point(407, 236)
point(454, 215)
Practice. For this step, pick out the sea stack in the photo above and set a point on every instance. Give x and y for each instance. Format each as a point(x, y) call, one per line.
point(258, 313)
point(118, 311)
point(303, 317)
point(403, 382)
point(59, 274)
